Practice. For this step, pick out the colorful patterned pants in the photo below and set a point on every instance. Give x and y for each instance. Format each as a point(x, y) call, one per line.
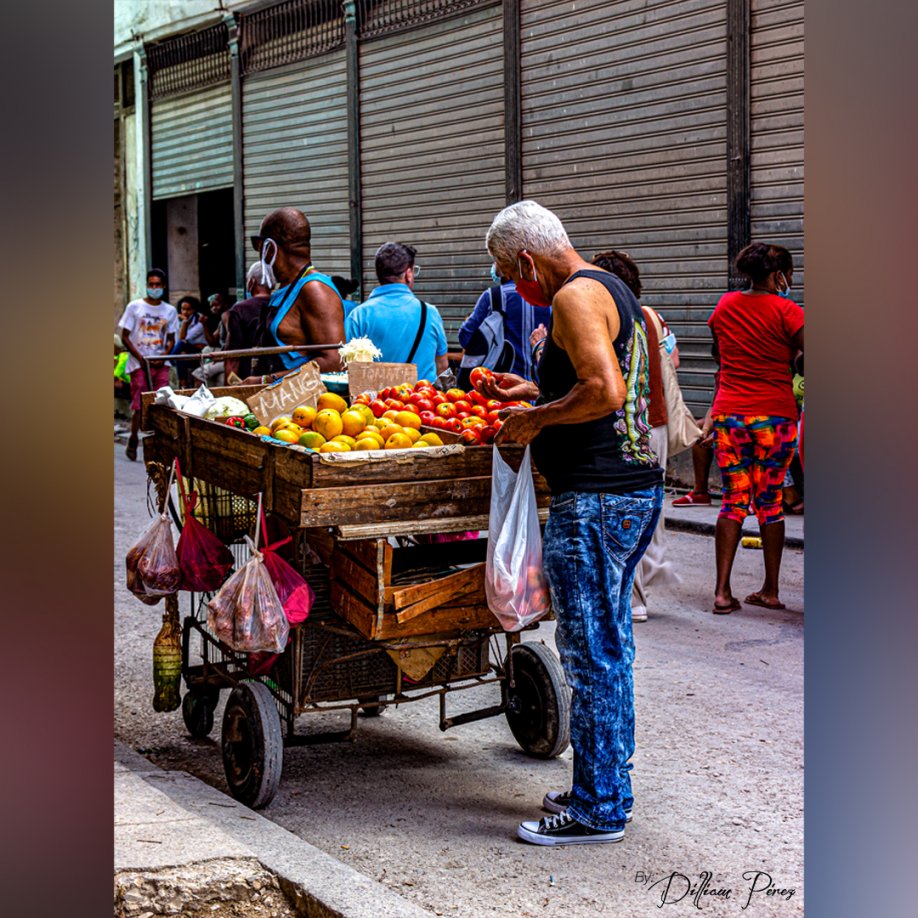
point(753, 453)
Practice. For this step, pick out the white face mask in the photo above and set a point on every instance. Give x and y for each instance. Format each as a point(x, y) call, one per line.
point(265, 264)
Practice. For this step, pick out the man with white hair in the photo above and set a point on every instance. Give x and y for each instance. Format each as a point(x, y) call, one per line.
point(590, 439)
point(245, 318)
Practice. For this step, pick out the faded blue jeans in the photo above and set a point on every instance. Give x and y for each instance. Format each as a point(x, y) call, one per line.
point(592, 546)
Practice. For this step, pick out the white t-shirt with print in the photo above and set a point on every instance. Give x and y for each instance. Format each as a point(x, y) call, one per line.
point(149, 326)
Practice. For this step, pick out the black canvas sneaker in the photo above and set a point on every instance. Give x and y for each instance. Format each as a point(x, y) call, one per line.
point(556, 801)
point(562, 829)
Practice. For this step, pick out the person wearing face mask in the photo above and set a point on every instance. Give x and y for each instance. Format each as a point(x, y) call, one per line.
point(243, 320)
point(306, 309)
point(148, 329)
point(591, 441)
point(757, 333)
point(518, 321)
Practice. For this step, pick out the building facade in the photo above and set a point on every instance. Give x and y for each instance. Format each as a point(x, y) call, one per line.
point(672, 129)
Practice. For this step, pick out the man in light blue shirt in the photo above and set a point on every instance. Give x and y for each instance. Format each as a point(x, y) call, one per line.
point(395, 320)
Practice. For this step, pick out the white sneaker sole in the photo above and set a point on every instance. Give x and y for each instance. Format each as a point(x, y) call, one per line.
point(552, 807)
point(537, 838)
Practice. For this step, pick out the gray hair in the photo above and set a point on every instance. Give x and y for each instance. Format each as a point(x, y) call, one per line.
point(254, 274)
point(525, 225)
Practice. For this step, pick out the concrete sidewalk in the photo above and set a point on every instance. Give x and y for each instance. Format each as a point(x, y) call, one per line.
point(702, 520)
point(184, 848)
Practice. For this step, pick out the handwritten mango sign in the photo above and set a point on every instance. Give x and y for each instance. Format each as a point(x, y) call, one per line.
point(301, 387)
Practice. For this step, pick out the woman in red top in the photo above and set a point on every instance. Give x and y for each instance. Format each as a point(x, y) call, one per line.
point(757, 333)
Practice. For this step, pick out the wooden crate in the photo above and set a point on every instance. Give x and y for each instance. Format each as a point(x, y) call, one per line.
point(390, 593)
point(361, 495)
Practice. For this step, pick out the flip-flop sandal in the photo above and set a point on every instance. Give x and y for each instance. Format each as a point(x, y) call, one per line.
point(755, 599)
point(726, 610)
point(131, 453)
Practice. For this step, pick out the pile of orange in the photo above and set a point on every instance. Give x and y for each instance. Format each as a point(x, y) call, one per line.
point(334, 427)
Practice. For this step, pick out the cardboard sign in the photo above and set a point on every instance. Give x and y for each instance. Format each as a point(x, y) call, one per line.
point(301, 387)
point(371, 377)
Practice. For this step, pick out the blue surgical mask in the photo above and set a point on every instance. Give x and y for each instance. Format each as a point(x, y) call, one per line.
point(155, 293)
point(787, 287)
point(494, 275)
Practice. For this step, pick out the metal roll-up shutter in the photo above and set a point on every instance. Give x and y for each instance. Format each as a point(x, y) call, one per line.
point(432, 153)
point(192, 142)
point(776, 129)
point(294, 152)
point(624, 137)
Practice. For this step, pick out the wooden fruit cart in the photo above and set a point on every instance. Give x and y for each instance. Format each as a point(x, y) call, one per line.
point(398, 616)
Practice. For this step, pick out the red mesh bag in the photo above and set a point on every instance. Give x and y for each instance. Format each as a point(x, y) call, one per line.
point(205, 561)
point(294, 592)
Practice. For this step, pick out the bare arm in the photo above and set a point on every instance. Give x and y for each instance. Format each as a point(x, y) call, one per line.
point(129, 345)
point(322, 320)
point(585, 323)
point(442, 364)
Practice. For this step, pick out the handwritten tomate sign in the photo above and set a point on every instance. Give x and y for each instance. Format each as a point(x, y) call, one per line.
point(301, 387)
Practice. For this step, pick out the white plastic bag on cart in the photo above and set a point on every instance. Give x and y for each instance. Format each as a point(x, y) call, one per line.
point(515, 585)
point(246, 613)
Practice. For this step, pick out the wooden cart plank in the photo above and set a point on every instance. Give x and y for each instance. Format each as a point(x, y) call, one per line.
point(442, 588)
point(463, 618)
point(396, 502)
point(346, 570)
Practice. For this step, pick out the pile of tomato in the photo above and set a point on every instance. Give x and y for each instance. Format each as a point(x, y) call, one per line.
point(473, 416)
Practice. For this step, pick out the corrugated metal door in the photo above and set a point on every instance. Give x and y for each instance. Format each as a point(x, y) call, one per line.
point(624, 137)
point(294, 152)
point(432, 139)
point(192, 142)
point(776, 141)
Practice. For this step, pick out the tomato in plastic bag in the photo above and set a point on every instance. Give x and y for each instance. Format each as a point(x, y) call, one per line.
point(152, 565)
point(247, 613)
point(515, 586)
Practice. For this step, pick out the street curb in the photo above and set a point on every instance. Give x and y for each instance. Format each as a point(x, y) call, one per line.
point(708, 529)
point(316, 884)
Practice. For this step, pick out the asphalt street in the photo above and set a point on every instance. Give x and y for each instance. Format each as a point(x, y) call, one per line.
point(718, 772)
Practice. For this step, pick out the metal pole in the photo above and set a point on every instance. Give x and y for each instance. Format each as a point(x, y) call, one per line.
point(353, 143)
point(512, 115)
point(238, 173)
point(738, 194)
point(146, 166)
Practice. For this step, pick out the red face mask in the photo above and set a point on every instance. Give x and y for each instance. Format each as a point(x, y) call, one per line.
point(530, 291)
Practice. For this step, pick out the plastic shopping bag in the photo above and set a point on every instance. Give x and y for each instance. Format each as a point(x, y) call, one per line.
point(294, 592)
point(152, 565)
point(205, 561)
point(246, 613)
point(515, 586)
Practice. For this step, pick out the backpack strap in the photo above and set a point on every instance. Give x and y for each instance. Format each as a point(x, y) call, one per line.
point(497, 299)
point(417, 337)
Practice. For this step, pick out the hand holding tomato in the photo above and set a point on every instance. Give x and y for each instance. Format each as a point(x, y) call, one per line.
point(508, 387)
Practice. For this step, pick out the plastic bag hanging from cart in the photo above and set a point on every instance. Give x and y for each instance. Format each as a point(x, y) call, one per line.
point(514, 583)
point(246, 613)
point(152, 565)
point(205, 561)
point(294, 592)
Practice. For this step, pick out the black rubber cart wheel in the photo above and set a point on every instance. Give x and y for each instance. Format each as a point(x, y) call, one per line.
point(539, 704)
point(198, 711)
point(373, 710)
point(253, 744)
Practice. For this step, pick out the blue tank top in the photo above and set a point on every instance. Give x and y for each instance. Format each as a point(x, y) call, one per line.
point(280, 304)
point(611, 454)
